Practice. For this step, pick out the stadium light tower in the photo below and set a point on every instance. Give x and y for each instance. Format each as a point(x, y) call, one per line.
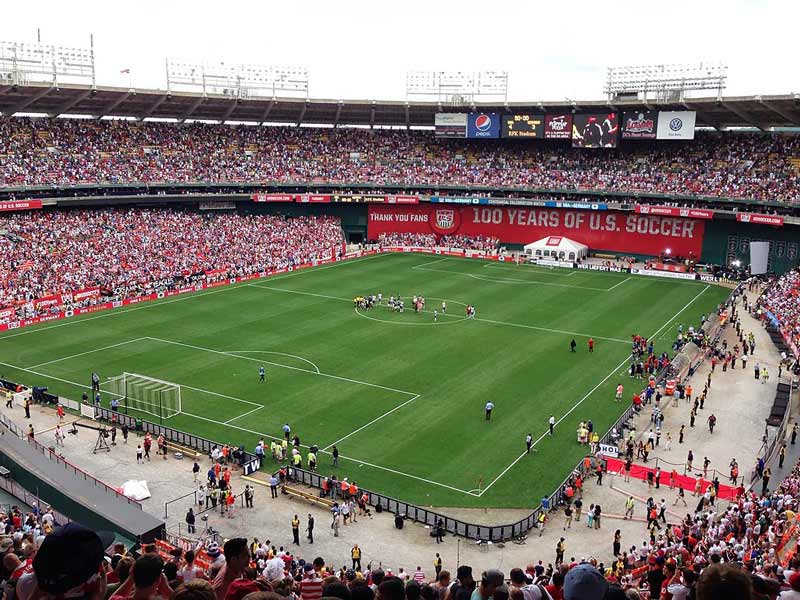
point(22, 63)
point(237, 80)
point(664, 82)
point(457, 87)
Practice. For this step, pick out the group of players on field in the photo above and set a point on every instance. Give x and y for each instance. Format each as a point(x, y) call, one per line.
point(397, 304)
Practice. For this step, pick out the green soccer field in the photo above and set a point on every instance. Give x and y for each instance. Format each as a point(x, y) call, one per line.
point(400, 395)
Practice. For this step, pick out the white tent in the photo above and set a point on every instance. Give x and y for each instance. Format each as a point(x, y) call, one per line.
point(556, 247)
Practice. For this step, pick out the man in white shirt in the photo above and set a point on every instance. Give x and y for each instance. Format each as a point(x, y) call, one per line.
point(489, 408)
point(552, 424)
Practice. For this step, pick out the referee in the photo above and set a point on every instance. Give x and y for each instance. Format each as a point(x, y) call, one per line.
point(489, 407)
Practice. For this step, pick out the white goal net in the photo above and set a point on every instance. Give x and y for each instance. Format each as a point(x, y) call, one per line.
point(145, 394)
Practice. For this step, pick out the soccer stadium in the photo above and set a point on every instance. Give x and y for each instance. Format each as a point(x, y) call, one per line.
point(463, 346)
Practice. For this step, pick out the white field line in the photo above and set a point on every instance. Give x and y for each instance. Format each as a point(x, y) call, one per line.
point(534, 327)
point(228, 354)
point(46, 376)
point(249, 412)
point(579, 402)
point(375, 420)
point(513, 267)
point(300, 358)
point(50, 362)
point(354, 460)
point(433, 262)
point(576, 334)
point(619, 284)
point(510, 280)
point(118, 311)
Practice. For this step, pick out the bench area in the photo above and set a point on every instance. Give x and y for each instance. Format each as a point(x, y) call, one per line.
point(309, 496)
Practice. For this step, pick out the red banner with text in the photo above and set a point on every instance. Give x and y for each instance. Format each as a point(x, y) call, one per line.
point(760, 219)
point(618, 232)
point(20, 205)
point(674, 211)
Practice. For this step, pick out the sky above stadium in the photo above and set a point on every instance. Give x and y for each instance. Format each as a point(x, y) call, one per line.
point(363, 49)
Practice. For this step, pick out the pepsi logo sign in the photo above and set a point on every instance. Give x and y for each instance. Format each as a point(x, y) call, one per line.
point(483, 122)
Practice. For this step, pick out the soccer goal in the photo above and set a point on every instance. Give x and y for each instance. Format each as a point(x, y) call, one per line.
point(145, 394)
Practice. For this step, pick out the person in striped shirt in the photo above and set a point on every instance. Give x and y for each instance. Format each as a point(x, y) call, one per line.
point(419, 575)
point(311, 584)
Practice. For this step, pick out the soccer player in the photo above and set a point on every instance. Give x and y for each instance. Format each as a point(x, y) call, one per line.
point(620, 389)
point(262, 374)
point(591, 344)
point(572, 345)
point(286, 431)
point(552, 424)
point(489, 407)
point(444, 307)
point(528, 443)
point(435, 315)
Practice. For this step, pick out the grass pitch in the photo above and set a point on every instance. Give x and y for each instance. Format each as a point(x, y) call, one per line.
point(400, 395)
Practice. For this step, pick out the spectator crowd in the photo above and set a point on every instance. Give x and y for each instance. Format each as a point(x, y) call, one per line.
point(129, 253)
point(782, 299)
point(430, 240)
point(744, 550)
point(63, 152)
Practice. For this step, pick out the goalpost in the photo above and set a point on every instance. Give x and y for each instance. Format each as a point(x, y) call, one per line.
point(145, 394)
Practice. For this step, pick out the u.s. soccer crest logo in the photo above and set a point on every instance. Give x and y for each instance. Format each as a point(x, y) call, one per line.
point(445, 220)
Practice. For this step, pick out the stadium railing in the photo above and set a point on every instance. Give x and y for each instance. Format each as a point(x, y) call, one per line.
point(51, 454)
point(23, 495)
point(172, 435)
point(484, 533)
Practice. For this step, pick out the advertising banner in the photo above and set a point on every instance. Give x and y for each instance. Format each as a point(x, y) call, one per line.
point(620, 232)
point(674, 211)
point(274, 197)
point(312, 198)
point(483, 125)
point(81, 295)
point(522, 126)
point(20, 205)
point(48, 301)
point(596, 130)
point(557, 127)
point(760, 219)
point(402, 199)
point(640, 125)
point(451, 125)
point(676, 125)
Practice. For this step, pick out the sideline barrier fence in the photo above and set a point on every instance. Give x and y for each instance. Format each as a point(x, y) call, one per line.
point(171, 435)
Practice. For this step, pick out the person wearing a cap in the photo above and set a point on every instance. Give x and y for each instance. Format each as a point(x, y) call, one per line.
point(794, 584)
point(68, 562)
point(584, 582)
point(237, 558)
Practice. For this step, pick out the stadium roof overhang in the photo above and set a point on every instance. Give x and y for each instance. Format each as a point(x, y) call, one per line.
point(762, 112)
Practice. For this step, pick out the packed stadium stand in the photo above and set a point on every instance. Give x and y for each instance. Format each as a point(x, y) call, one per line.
point(44, 152)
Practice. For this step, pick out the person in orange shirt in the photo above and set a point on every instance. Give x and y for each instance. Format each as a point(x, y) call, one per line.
point(688, 394)
point(225, 454)
point(217, 469)
point(226, 475)
point(345, 487)
point(579, 486)
point(353, 490)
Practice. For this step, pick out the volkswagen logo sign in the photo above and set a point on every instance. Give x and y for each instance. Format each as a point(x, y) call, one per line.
point(676, 124)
